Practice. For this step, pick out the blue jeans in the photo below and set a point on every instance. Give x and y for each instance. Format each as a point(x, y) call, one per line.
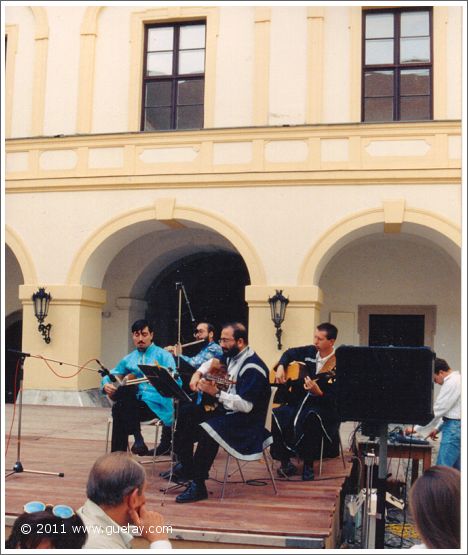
point(449, 451)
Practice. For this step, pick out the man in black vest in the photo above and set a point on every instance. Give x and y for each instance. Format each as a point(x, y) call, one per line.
point(237, 423)
point(310, 413)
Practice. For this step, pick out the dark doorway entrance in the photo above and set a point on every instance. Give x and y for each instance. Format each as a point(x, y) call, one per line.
point(13, 335)
point(215, 285)
point(398, 330)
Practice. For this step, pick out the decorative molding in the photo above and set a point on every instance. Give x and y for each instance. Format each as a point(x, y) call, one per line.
point(262, 53)
point(161, 166)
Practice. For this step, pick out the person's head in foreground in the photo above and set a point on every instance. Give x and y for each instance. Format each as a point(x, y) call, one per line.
point(435, 506)
point(44, 526)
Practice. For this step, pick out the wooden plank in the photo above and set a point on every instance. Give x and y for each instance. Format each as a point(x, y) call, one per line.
point(303, 511)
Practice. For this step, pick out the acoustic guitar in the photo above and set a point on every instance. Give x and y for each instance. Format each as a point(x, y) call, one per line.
point(295, 372)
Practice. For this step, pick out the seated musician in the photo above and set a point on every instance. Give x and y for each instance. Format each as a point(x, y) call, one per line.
point(137, 403)
point(237, 423)
point(310, 412)
point(209, 349)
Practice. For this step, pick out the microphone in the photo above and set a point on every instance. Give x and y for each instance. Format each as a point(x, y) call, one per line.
point(105, 372)
point(18, 352)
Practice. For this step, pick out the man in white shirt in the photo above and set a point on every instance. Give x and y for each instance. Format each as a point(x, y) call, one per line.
point(447, 415)
point(116, 506)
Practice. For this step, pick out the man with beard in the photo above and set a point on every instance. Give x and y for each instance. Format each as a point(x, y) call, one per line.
point(209, 349)
point(236, 423)
point(137, 403)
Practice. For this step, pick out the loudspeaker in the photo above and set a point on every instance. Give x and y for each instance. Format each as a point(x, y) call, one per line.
point(385, 384)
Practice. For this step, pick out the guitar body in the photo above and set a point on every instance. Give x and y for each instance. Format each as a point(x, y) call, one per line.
point(293, 390)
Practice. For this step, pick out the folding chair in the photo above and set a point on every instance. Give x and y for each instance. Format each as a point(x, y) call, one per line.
point(269, 464)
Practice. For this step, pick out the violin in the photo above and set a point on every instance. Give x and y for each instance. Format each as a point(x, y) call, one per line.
point(218, 374)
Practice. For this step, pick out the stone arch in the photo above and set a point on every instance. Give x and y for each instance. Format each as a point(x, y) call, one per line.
point(418, 222)
point(25, 260)
point(166, 211)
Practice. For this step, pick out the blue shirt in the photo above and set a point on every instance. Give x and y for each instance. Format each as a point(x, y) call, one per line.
point(212, 350)
point(161, 406)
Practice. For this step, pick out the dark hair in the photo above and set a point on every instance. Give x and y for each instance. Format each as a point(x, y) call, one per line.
point(435, 506)
point(140, 325)
point(208, 325)
point(63, 533)
point(329, 329)
point(239, 331)
point(440, 365)
point(114, 476)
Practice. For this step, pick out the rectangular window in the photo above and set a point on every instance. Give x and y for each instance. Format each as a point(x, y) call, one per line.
point(397, 65)
point(174, 76)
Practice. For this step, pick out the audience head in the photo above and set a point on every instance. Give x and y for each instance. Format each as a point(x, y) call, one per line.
point(44, 530)
point(435, 506)
point(113, 477)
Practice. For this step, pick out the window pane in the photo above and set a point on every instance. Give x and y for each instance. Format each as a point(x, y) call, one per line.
point(190, 92)
point(192, 36)
point(158, 94)
point(379, 25)
point(159, 64)
point(415, 81)
point(414, 24)
point(414, 50)
point(378, 109)
point(157, 119)
point(378, 83)
point(190, 117)
point(415, 108)
point(191, 61)
point(379, 51)
point(160, 38)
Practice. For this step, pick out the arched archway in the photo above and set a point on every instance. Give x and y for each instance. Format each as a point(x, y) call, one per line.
point(416, 222)
point(143, 251)
point(91, 262)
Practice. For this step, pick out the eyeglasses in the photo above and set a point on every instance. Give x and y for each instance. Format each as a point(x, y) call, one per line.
point(226, 340)
point(197, 332)
point(62, 511)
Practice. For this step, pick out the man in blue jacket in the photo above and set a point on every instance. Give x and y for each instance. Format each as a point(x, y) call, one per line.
point(137, 403)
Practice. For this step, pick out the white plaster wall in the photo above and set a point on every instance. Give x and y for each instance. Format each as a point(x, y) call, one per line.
point(24, 69)
point(454, 61)
point(111, 76)
point(61, 94)
point(336, 65)
point(13, 278)
point(234, 67)
point(397, 270)
point(281, 224)
point(288, 63)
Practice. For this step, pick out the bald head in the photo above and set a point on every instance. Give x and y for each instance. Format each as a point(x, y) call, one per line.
point(112, 477)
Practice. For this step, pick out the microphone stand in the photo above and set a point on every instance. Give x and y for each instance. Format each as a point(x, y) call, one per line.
point(18, 467)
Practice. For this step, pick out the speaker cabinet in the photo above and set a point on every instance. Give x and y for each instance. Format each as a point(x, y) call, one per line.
point(385, 384)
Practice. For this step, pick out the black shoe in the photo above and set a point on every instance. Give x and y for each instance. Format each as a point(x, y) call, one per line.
point(287, 469)
point(196, 491)
point(178, 477)
point(176, 470)
point(162, 449)
point(140, 449)
point(308, 472)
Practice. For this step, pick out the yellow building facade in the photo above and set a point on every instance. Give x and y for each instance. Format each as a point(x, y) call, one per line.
point(296, 170)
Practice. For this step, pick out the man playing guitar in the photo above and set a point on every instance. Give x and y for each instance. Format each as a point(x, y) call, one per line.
point(310, 412)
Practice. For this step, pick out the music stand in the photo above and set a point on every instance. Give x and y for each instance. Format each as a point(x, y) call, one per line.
point(162, 380)
point(18, 467)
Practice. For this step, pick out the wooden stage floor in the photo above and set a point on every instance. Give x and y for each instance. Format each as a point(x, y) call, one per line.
point(69, 439)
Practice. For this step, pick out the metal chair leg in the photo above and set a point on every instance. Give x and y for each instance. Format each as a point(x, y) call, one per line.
point(321, 457)
point(109, 423)
point(225, 476)
point(270, 471)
